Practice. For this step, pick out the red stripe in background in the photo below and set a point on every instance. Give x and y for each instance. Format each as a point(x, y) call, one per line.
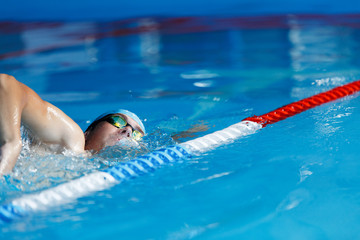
point(178, 25)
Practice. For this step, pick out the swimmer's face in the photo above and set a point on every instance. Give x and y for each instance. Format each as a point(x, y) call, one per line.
point(105, 134)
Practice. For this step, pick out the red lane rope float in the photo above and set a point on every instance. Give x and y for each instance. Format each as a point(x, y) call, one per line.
point(305, 104)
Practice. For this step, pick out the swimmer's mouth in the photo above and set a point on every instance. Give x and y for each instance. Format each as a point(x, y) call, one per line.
point(129, 139)
point(123, 138)
point(127, 142)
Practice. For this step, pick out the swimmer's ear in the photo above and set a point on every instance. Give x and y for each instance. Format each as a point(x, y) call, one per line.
point(86, 134)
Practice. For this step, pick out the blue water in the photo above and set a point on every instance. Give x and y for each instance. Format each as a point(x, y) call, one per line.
point(296, 179)
point(110, 9)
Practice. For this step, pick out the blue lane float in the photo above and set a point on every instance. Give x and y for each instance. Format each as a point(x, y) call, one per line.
point(101, 180)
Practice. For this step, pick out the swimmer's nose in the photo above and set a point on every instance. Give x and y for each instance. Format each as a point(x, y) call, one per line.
point(126, 131)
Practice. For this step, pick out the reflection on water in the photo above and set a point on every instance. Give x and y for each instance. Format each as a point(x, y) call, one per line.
point(158, 58)
point(61, 56)
point(179, 73)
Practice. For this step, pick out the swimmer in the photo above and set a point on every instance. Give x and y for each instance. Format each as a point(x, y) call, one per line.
point(49, 126)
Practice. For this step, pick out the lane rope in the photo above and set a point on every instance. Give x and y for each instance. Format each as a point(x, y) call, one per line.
point(101, 180)
point(305, 104)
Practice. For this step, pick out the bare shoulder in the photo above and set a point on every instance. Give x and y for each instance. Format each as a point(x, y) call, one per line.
point(6, 80)
point(72, 137)
point(4, 76)
point(45, 122)
point(52, 126)
point(13, 88)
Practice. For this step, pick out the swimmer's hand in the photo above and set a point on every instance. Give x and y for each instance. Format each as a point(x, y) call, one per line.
point(191, 132)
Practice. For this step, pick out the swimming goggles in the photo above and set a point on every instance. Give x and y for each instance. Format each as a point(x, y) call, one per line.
point(120, 122)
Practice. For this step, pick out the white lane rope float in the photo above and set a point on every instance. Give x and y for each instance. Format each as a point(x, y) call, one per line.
point(101, 180)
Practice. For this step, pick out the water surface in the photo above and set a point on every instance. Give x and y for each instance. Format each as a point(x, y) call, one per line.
point(296, 179)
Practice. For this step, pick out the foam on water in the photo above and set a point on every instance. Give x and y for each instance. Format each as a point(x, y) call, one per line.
point(38, 169)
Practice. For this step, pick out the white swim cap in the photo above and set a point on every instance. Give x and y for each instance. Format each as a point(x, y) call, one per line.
point(125, 112)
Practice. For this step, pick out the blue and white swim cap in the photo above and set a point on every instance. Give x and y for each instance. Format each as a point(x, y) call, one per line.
point(125, 112)
point(133, 116)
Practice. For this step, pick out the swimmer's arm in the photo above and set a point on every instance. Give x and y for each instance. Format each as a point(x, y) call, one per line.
point(11, 103)
point(9, 153)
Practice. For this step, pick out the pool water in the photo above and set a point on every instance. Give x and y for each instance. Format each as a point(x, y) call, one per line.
point(296, 179)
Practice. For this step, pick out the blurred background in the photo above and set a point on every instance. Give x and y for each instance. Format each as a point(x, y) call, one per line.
point(110, 9)
point(180, 64)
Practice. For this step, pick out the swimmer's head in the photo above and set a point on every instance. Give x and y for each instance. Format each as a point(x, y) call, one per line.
point(111, 127)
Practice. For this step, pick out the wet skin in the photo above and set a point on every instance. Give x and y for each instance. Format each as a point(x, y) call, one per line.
point(105, 134)
point(47, 124)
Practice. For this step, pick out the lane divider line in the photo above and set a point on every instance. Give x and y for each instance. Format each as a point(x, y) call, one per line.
point(101, 180)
